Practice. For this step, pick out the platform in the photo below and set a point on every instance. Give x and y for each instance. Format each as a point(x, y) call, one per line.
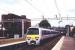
point(11, 41)
point(65, 43)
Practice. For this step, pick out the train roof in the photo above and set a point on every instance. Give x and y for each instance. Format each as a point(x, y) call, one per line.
point(38, 27)
point(43, 28)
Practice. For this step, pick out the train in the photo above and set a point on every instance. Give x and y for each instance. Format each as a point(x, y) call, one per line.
point(35, 35)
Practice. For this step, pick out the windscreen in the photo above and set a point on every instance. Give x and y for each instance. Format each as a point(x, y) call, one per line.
point(33, 31)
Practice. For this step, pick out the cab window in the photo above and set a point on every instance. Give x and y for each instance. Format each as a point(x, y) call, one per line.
point(33, 31)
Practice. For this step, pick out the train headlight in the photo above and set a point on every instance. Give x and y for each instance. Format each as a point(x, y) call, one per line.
point(28, 38)
point(36, 38)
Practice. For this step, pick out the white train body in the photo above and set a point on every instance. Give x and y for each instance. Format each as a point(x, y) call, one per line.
point(35, 34)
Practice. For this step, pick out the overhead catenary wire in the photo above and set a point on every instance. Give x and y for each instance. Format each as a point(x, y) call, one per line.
point(64, 18)
point(57, 8)
point(34, 7)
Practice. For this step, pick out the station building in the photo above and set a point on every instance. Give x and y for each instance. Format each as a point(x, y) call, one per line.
point(14, 24)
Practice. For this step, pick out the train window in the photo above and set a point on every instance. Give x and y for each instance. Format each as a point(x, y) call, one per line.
point(54, 32)
point(44, 32)
point(33, 31)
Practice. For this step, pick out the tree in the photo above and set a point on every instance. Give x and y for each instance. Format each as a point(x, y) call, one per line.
point(44, 23)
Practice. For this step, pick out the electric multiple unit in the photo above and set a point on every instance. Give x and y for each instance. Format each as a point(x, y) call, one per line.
point(35, 35)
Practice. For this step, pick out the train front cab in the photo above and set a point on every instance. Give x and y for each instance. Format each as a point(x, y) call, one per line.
point(33, 36)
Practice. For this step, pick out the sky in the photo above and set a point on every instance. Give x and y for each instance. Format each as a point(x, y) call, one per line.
point(36, 9)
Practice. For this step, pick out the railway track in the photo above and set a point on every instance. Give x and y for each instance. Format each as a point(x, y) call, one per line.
point(47, 45)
